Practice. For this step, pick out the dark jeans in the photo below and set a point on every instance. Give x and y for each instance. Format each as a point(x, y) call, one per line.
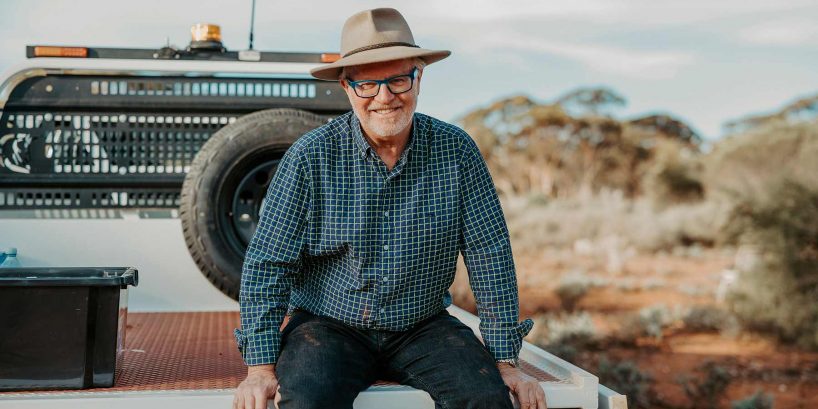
point(325, 364)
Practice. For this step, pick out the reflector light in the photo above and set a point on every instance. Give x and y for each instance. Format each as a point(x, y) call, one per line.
point(330, 57)
point(71, 52)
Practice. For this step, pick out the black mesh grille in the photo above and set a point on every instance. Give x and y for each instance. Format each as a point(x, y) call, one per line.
point(81, 160)
point(76, 141)
point(69, 198)
point(115, 143)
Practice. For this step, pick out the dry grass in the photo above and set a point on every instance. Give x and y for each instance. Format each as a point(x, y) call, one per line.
point(610, 223)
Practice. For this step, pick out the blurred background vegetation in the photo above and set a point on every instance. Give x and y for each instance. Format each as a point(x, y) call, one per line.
point(683, 271)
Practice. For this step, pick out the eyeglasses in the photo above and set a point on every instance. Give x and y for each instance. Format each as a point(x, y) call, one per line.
point(397, 85)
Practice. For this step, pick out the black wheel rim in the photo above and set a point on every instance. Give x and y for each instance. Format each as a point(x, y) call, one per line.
point(242, 196)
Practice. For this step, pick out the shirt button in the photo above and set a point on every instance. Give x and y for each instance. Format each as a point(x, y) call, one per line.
point(385, 279)
point(383, 310)
point(386, 247)
point(386, 213)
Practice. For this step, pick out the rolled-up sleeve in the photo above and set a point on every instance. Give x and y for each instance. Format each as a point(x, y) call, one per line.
point(272, 261)
point(486, 249)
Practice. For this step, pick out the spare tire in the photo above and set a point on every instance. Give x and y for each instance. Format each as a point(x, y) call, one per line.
point(225, 187)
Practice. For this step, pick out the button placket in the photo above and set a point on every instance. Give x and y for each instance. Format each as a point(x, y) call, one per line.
point(386, 223)
point(386, 234)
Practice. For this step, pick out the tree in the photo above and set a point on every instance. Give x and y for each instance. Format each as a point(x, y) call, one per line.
point(669, 127)
point(591, 101)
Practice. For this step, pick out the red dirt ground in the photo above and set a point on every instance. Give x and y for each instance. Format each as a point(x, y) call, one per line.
point(754, 362)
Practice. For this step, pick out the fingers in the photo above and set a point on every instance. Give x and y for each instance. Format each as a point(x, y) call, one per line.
point(238, 400)
point(253, 395)
point(261, 400)
point(524, 396)
point(530, 395)
point(277, 397)
point(541, 403)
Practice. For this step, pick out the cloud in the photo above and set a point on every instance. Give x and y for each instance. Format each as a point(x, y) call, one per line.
point(629, 13)
point(639, 64)
point(653, 65)
point(494, 10)
point(781, 33)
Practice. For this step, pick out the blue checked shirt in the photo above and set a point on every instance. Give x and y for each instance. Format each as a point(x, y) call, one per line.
point(342, 236)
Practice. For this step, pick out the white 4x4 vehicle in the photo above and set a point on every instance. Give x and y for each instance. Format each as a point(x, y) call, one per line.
point(160, 159)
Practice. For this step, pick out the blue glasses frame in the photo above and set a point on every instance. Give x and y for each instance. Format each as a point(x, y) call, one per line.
point(384, 81)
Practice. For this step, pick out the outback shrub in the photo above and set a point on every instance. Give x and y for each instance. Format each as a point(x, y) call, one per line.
point(674, 176)
point(565, 335)
point(567, 352)
point(702, 318)
point(707, 389)
point(748, 164)
point(571, 289)
point(649, 322)
point(626, 378)
point(758, 400)
point(576, 329)
point(636, 224)
point(778, 294)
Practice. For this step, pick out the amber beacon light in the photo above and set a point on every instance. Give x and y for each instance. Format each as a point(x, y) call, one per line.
point(206, 32)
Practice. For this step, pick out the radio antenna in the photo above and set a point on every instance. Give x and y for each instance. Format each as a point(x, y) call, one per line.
point(252, 22)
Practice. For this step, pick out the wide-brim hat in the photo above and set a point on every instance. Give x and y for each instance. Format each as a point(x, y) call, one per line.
point(376, 35)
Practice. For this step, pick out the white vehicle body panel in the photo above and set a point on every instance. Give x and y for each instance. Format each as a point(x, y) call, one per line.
point(85, 66)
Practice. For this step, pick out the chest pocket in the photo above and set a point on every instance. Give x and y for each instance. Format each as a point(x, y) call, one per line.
point(435, 222)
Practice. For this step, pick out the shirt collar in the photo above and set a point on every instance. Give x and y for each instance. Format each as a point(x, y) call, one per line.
point(364, 148)
point(358, 136)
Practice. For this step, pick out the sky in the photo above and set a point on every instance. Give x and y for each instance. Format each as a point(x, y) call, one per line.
point(703, 61)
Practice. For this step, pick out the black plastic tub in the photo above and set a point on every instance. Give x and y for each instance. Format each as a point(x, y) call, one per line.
point(62, 328)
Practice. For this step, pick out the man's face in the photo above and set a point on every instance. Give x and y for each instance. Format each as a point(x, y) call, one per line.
point(386, 114)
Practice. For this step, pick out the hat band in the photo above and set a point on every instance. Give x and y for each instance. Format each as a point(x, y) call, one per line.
point(381, 45)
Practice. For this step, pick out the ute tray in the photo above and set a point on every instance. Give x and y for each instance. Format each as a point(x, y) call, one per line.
point(191, 351)
point(190, 360)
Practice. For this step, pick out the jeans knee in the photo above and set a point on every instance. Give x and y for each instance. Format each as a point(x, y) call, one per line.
point(306, 389)
point(489, 397)
point(310, 399)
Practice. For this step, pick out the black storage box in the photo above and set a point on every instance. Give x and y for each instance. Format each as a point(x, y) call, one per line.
point(62, 328)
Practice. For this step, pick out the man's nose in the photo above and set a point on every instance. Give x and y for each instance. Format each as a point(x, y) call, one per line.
point(384, 94)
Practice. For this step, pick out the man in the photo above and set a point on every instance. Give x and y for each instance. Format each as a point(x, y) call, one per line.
point(359, 239)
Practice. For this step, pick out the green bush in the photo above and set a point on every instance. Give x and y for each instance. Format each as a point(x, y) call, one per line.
point(704, 318)
point(565, 335)
point(571, 289)
point(674, 176)
point(749, 164)
point(758, 400)
point(778, 294)
point(567, 352)
point(626, 378)
point(707, 389)
point(576, 329)
point(649, 322)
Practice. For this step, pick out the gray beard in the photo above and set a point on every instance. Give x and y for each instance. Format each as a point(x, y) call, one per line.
point(386, 129)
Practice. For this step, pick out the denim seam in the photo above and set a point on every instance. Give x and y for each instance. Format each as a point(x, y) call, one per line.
point(428, 388)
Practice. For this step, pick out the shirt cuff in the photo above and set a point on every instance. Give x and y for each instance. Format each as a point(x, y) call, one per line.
point(509, 345)
point(257, 349)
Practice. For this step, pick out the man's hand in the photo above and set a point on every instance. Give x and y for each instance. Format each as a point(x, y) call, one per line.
point(260, 385)
point(526, 388)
